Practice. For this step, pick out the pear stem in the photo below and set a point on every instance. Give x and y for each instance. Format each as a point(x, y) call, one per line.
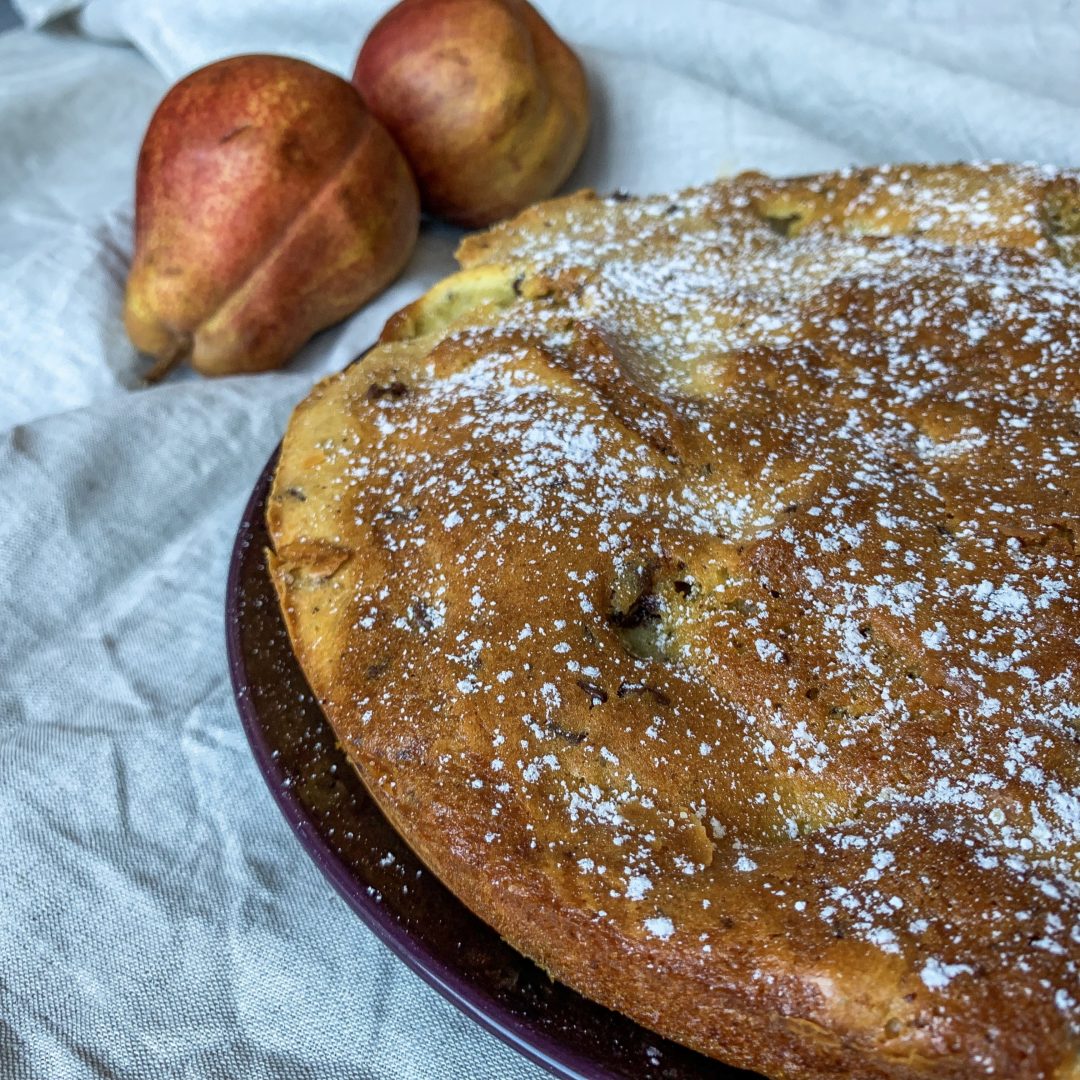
point(181, 350)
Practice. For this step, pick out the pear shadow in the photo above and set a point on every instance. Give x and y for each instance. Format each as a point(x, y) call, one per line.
point(594, 162)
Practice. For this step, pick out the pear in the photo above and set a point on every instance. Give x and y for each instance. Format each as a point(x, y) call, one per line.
point(269, 204)
point(487, 102)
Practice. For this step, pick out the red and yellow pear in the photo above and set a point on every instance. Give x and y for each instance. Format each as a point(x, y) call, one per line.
point(269, 204)
point(488, 104)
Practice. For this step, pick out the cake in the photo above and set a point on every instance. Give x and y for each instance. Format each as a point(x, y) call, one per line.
point(692, 581)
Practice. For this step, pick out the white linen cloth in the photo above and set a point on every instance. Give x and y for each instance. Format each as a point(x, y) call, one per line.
point(157, 917)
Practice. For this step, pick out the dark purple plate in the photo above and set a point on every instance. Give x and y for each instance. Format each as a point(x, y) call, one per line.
point(339, 826)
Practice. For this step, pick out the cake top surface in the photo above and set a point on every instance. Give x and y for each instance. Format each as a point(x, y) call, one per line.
point(704, 567)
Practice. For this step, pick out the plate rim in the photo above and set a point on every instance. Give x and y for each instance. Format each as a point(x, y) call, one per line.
point(537, 1046)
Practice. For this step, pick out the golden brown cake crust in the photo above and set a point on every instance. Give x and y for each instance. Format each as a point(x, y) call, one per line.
point(692, 580)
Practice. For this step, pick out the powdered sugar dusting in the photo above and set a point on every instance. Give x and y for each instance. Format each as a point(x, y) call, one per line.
point(750, 530)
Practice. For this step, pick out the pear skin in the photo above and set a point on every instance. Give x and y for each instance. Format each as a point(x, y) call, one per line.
point(489, 105)
point(269, 204)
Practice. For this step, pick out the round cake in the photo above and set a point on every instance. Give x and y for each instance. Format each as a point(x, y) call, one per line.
point(692, 581)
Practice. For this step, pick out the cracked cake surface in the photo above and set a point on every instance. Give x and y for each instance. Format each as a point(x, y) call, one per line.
point(692, 581)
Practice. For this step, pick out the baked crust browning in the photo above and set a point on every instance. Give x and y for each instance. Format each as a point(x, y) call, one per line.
point(692, 581)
